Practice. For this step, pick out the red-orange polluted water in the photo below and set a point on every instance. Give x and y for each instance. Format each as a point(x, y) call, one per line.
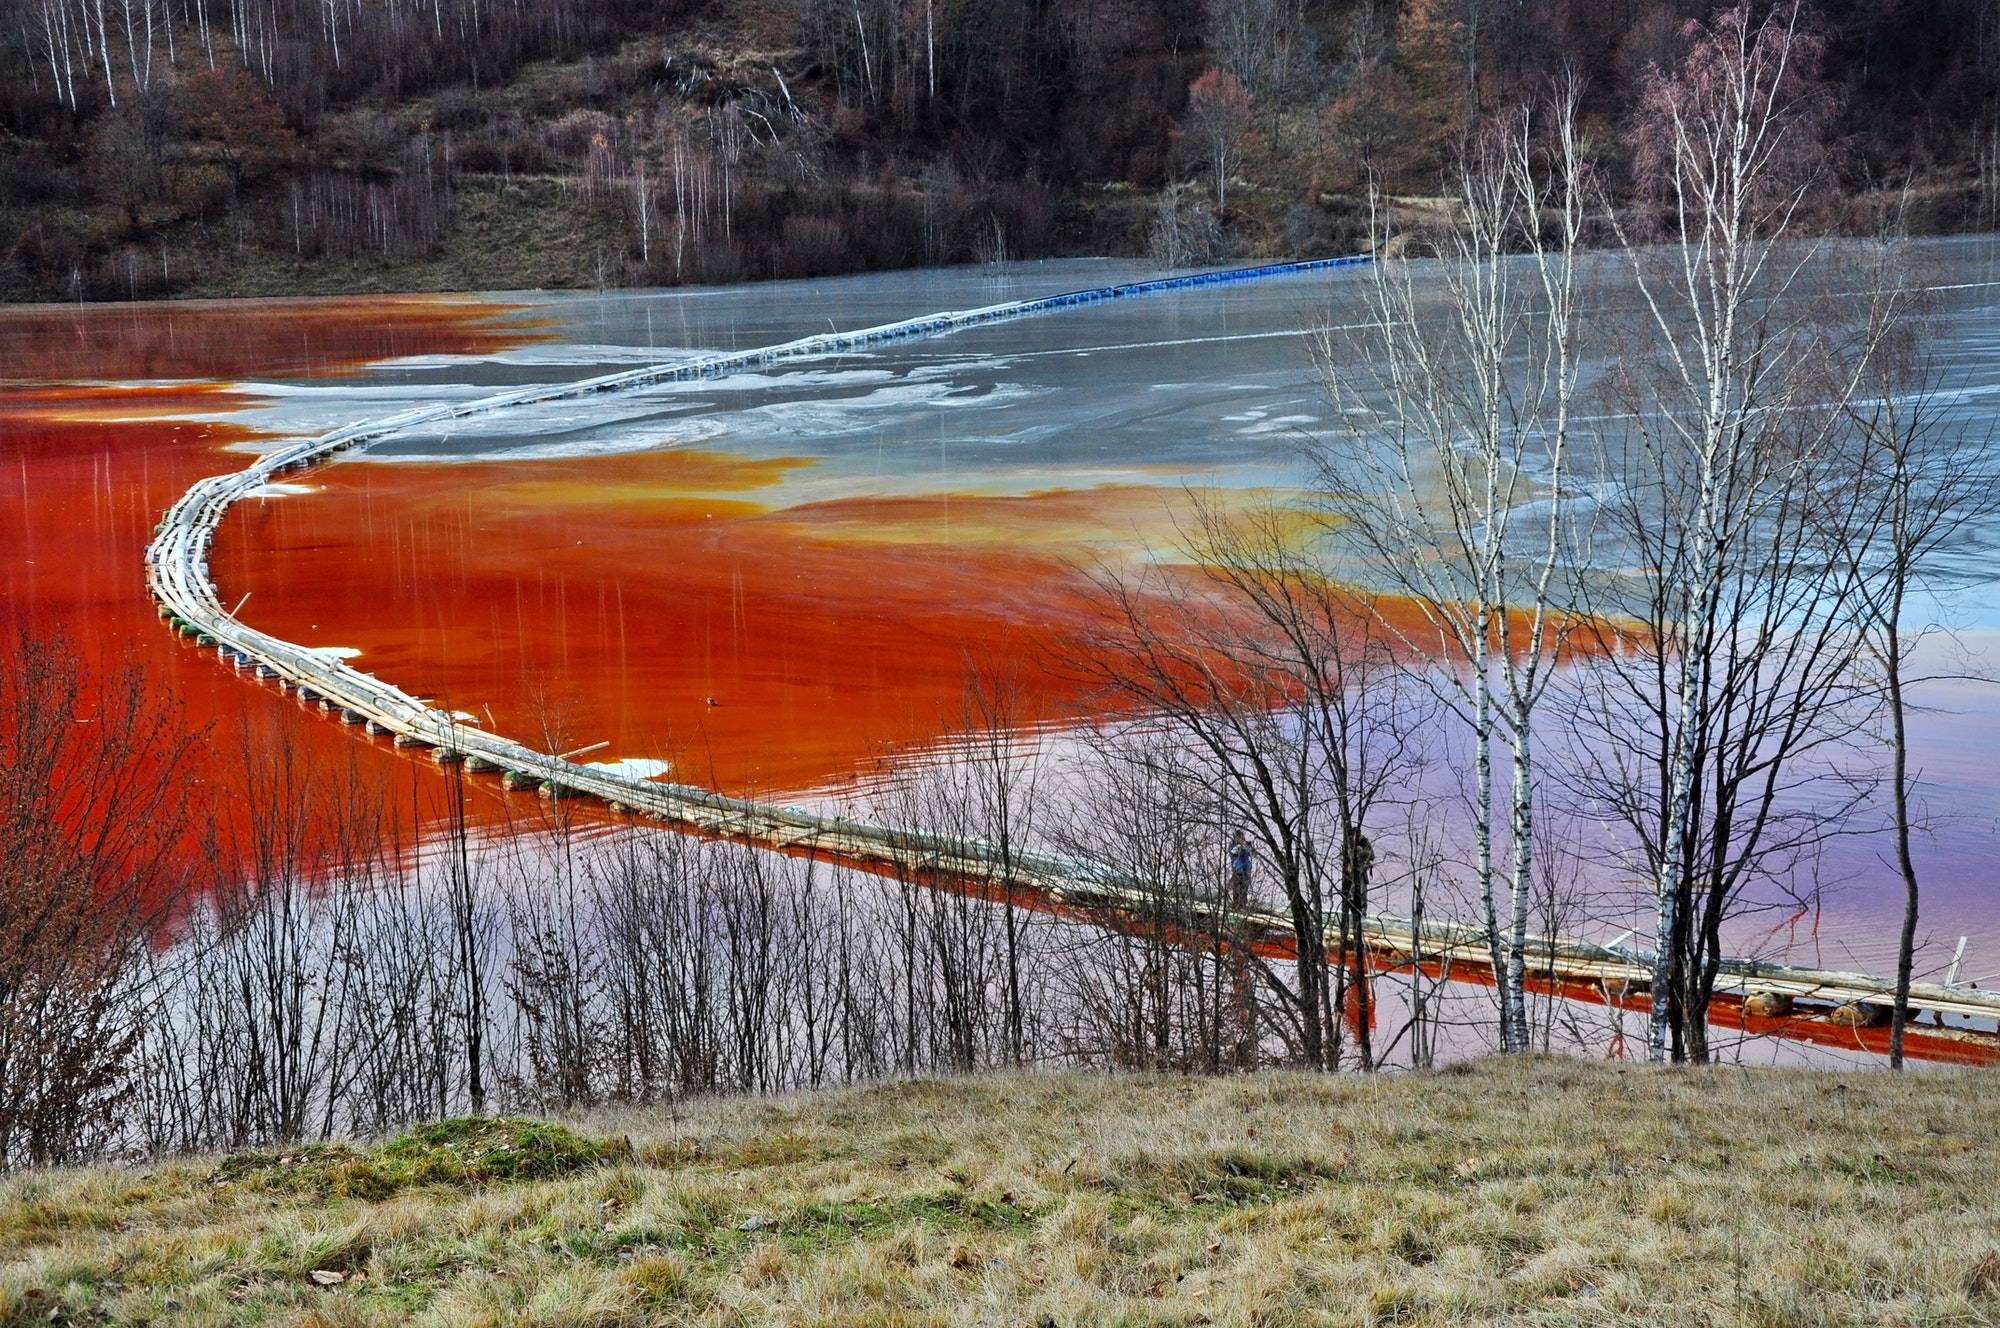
point(670, 606)
point(108, 413)
point(766, 585)
point(662, 605)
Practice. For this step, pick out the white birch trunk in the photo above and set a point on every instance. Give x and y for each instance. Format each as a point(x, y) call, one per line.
point(104, 50)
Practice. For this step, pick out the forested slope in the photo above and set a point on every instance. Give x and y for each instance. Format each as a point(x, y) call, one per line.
point(158, 147)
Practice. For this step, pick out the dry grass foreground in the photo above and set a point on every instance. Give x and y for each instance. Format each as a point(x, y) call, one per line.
point(1541, 1192)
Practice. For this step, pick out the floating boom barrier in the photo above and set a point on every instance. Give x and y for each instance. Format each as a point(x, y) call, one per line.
point(1834, 1008)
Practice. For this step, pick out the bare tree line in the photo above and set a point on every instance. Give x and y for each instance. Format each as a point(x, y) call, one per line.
point(312, 968)
point(305, 48)
point(1721, 558)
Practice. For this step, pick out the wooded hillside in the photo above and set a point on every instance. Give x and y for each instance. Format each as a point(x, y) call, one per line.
point(159, 147)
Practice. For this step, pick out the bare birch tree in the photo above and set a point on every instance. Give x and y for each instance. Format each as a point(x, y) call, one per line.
point(1724, 481)
point(1458, 417)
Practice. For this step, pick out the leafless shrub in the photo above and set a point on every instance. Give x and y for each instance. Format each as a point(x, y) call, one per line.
point(92, 811)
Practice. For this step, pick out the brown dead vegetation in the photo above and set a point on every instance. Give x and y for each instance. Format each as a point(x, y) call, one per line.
point(1535, 1190)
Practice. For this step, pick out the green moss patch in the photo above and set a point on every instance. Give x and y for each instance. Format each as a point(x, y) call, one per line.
point(465, 1152)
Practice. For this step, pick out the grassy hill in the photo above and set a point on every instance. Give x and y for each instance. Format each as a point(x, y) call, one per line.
point(1550, 1192)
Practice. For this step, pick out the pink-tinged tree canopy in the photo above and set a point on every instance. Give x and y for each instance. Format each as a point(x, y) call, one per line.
point(1736, 136)
point(1218, 123)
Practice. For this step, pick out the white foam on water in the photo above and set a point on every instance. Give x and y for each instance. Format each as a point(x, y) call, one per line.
point(1278, 424)
point(859, 414)
point(758, 381)
point(548, 354)
point(1172, 343)
point(492, 445)
point(633, 767)
point(343, 392)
